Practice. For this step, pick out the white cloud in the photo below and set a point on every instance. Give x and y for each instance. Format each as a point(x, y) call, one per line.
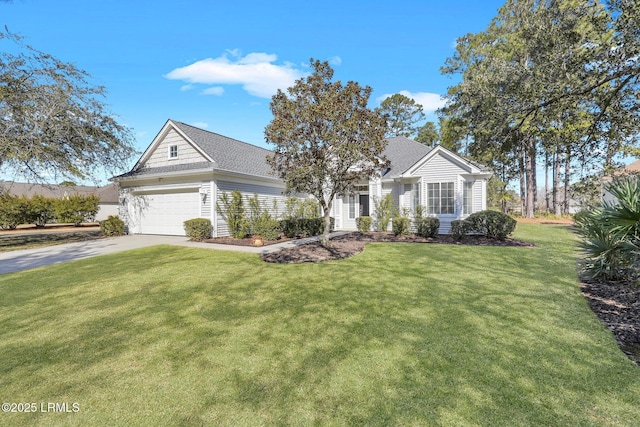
point(201, 125)
point(335, 60)
point(185, 88)
point(430, 101)
point(216, 90)
point(256, 72)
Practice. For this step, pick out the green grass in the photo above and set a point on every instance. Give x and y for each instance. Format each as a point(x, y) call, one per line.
point(10, 242)
point(402, 334)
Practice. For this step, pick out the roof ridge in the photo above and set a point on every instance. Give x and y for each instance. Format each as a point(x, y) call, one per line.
point(218, 134)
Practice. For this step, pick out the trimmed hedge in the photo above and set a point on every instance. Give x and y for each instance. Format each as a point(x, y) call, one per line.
point(304, 226)
point(492, 224)
point(77, 209)
point(112, 226)
point(460, 228)
point(364, 223)
point(427, 226)
point(198, 228)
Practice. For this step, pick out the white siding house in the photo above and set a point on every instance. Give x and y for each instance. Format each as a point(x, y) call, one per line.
point(185, 170)
point(447, 185)
point(183, 174)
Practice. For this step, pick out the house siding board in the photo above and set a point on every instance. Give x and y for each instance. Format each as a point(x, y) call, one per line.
point(205, 209)
point(187, 154)
point(266, 195)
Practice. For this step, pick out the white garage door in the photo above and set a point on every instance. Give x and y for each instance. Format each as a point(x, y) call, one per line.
point(164, 213)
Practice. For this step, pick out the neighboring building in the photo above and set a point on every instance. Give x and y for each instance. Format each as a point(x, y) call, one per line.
point(630, 169)
point(108, 194)
point(185, 170)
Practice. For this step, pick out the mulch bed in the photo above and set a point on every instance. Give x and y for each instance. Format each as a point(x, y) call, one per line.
point(617, 306)
point(350, 244)
point(247, 241)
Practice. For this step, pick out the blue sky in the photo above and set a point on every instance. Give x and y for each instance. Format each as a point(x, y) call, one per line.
point(216, 64)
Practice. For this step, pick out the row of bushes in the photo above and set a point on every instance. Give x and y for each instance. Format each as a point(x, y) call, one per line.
point(40, 210)
point(492, 224)
point(201, 228)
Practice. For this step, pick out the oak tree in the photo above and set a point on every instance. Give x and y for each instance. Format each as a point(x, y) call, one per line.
point(326, 138)
point(53, 121)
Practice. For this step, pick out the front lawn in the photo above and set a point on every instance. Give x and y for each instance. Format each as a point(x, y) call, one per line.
point(402, 334)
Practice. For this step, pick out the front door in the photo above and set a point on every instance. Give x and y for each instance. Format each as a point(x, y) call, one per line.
point(364, 205)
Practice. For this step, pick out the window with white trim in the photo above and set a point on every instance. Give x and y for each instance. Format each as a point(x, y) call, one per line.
point(467, 198)
point(441, 198)
point(173, 151)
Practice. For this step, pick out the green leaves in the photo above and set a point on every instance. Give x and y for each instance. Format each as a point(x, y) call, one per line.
point(53, 121)
point(326, 139)
point(402, 115)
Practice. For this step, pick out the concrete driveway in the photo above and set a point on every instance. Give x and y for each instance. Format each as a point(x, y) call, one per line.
point(31, 258)
point(38, 257)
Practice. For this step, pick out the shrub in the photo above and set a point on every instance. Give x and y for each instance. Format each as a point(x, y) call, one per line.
point(610, 234)
point(363, 223)
point(41, 210)
point(12, 211)
point(400, 225)
point(303, 226)
point(112, 226)
point(492, 224)
point(198, 228)
point(265, 226)
point(232, 211)
point(77, 209)
point(460, 228)
point(383, 211)
point(427, 226)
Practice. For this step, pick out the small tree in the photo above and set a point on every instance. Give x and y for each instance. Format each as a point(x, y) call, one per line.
point(383, 210)
point(326, 138)
point(232, 211)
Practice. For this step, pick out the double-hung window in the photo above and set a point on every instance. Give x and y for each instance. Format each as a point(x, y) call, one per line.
point(173, 151)
point(441, 198)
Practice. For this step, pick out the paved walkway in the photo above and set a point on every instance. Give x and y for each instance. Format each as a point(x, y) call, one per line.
point(31, 258)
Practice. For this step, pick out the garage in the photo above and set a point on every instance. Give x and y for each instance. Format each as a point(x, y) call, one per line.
point(163, 213)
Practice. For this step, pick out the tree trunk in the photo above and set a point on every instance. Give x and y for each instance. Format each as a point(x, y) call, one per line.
point(567, 180)
point(523, 185)
point(530, 179)
point(324, 240)
point(546, 181)
point(556, 183)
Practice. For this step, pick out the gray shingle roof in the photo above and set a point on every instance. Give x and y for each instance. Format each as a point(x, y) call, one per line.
point(402, 154)
point(107, 194)
point(167, 169)
point(232, 155)
point(228, 153)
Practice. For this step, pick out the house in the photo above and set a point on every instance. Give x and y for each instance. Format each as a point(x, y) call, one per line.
point(108, 194)
point(444, 183)
point(185, 170)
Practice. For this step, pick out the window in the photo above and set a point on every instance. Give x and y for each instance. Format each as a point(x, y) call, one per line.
point(467, 198)
point(417, 196)
point(352, 206)
point(440, 198)
point(173, 151)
